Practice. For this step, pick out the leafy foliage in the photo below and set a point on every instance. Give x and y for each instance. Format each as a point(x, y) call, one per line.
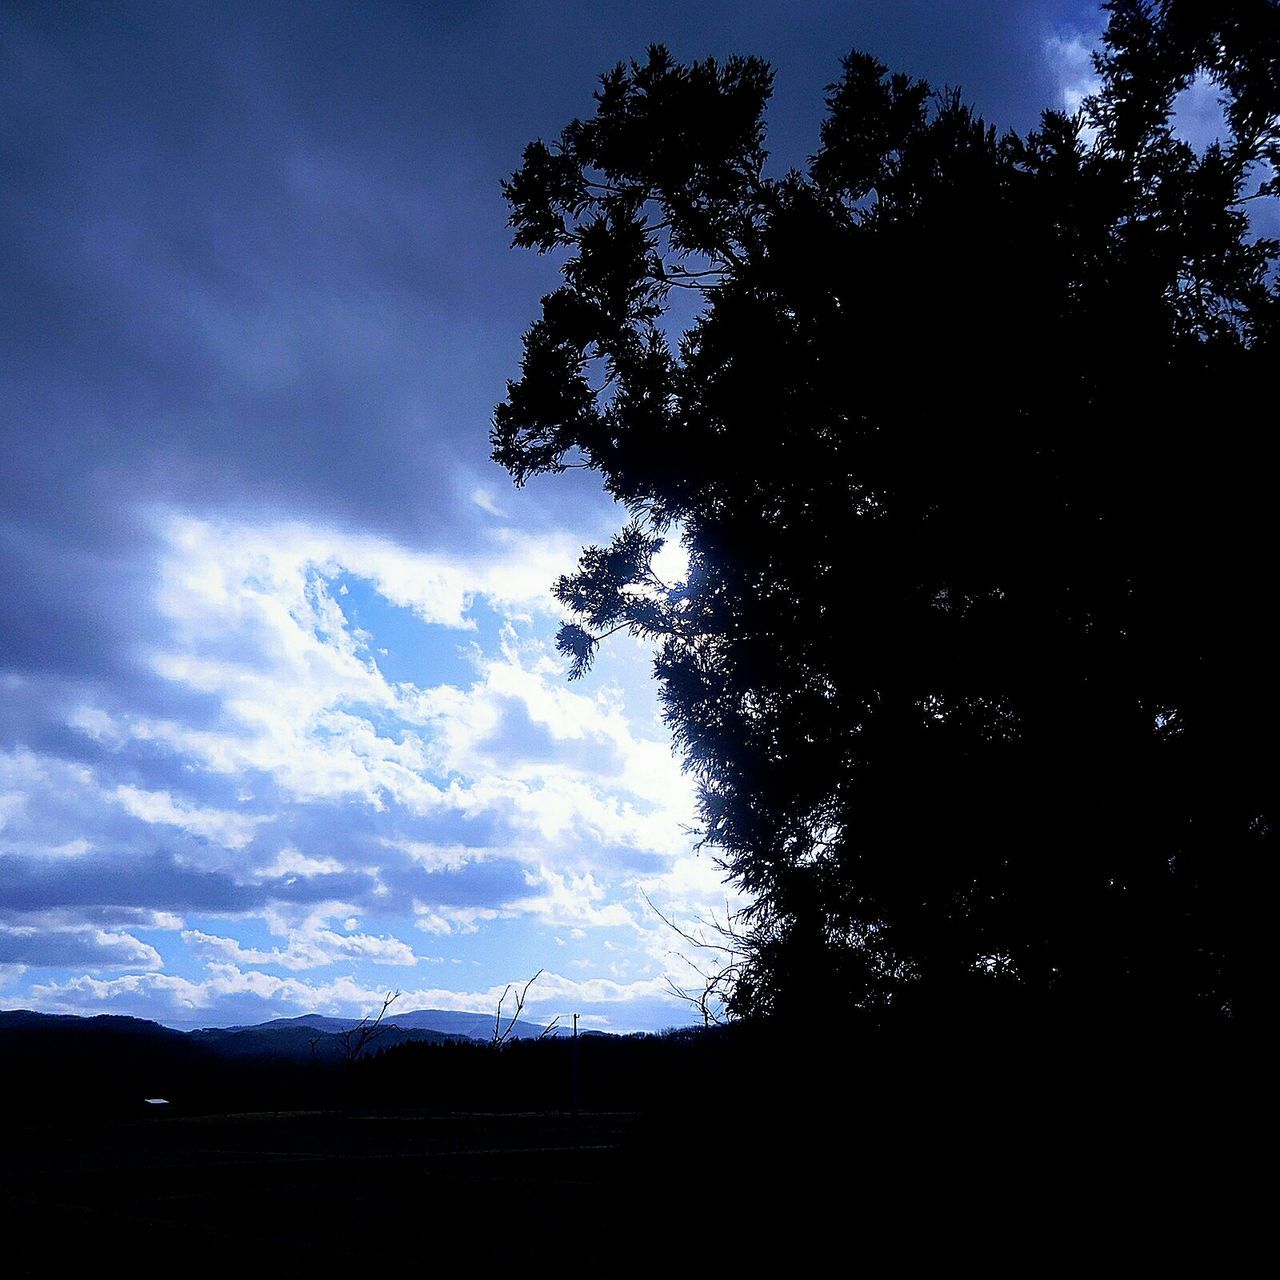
point(967, 447)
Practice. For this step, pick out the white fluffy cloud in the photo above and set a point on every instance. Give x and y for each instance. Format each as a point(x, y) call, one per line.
point(573, 900)
point(211, 563)
point(255, 621)
point(313, 948)
point(229, 829)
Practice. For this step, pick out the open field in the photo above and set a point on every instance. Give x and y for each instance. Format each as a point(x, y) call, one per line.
point(309, 1192)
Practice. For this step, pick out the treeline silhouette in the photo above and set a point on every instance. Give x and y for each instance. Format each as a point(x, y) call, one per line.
point(111, 1066)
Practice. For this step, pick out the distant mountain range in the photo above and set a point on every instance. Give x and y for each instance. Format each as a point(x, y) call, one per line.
point(450, 1022)
point(310, 1036)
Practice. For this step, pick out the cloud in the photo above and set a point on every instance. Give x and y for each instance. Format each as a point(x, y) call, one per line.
point(291, 862)
point(314, 948)
point(438, 857)
point(444, 920)
point(209, 563)
point(47, 804)
point(160, 882)
point(256, 625)
point(1198, 115)
point(485, 500)
point(231, 830)
point(78, 917)
point(99, 948)
point(1069, 57)
point(572, 900)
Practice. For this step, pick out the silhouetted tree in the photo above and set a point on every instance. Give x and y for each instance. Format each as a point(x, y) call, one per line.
point(967, 445)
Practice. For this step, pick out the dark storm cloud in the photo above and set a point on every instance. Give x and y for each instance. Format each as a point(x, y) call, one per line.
point(235, 243)
point(160, 882)
point(485, 884)
point(157, 881)
point(258, 252)
point(256, 255)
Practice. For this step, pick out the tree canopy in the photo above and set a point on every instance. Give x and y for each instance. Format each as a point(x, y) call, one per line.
point(967, 444)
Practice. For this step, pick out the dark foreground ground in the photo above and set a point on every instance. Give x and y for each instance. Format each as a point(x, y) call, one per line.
point(309, 1193)
point(319, 1194)
point(936, 1155)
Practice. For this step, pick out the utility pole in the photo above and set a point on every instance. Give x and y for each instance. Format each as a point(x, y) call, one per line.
point(576, 1077)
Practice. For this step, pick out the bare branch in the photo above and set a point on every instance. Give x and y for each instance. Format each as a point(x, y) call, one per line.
point(356, 1039)
point(497, 1021)
point(499, 1035)
point(736, 942)
point(718, 982)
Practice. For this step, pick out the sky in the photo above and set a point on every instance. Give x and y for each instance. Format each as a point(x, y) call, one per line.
point(282, 727)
